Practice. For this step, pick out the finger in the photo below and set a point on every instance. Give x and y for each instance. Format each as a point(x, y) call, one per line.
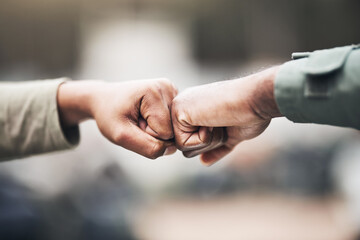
point(201, 105)
point(154, 108)
point(219, 137)
point(211, 157)
point(136, 140)
point(198, 137)
point(142, 124)
point(188, 137)
point(171, 93)
point(146, 128)
point(170, 150)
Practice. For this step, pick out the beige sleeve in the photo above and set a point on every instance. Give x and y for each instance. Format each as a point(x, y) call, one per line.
point(29, 120)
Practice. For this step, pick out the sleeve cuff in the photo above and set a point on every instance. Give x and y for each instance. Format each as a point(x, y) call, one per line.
point(59, 138)
point(289, 85)
point(31, 120)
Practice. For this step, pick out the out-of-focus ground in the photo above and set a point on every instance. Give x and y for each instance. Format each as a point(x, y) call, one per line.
point(249, 216)
point(296, 181)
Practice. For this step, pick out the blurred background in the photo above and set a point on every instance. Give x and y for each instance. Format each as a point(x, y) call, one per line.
point(296, 181)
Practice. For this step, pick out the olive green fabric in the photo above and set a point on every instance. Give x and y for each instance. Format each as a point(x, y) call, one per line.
point(321, 87)
point(29, 119)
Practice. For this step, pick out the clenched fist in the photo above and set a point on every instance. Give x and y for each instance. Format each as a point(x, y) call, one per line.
point(135, 115)
point(212, 119)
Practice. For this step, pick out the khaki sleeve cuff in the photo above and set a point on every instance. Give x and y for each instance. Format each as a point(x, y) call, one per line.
point(31, 119)
point(59, 138)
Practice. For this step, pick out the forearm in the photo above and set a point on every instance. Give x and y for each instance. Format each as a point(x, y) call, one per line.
point(212, 119)
point(262, 96)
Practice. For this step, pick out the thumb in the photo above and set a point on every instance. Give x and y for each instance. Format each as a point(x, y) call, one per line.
point(136, 140)
point(155, 110)
point(211, 157)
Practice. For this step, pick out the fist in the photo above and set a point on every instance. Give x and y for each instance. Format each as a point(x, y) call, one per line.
point(136, 115)
point(212, 119)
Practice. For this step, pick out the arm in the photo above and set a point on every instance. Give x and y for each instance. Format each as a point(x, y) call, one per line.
point(323, 87)
point(212, 119)
point(29, 119)
point(134, 115)
point(43, 116)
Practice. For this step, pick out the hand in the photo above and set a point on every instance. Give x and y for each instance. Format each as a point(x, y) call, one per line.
point(212, 119)
point(134, 115)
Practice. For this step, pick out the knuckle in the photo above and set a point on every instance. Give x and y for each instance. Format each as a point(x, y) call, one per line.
point(178, 105)
point(120, 136)
point(154, 88)
point(176, 90)
point(166, 134)
point(175, 103)
point(166, 85)
point(176, 108)
point(155, 151)
point(155, 91)
point(164, 81)
point(183, 118)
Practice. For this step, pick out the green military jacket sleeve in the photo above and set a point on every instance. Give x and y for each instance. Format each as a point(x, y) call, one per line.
point(29, 119)
point(321, 87)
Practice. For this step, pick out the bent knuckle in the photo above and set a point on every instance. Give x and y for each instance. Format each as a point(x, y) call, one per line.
point(120, 136)
point(164, 81)
point(183, 118)
point(175, 103)
point(155, 151)
point(154, 91)
point(166, 133)
point(176, 107)
point(179, 108)
point(167, 86)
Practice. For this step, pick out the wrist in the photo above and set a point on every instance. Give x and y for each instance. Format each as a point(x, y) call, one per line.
point(75, 101)
point(263, 97)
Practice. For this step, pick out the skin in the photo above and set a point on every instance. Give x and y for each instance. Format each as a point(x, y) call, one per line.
point(209, 120)
point(212, 119)
point(135, 115)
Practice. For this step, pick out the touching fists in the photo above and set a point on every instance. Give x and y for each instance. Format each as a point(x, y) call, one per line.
point(148, 117)
point(134, 115)
point(212, 119)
